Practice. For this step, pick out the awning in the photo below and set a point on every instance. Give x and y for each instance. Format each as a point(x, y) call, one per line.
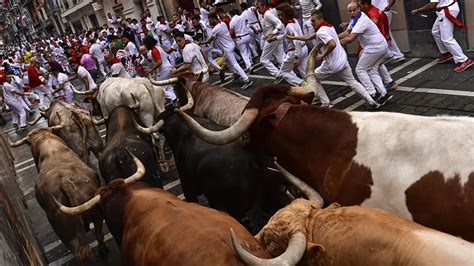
point(75, 8)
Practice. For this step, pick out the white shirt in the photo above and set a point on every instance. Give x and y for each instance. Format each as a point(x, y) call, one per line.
point(369, 36)
point(337, 59)
point(165, 62)
point(204, 15)
point(64, 79)
point(443, 3)
point(295, 30)
point(271, 24)
point(237, 24)
point(131, 48)
point(8, 90)
point(175, 45)
point(18, 83)
point(307, 7)
point(166, 38)
point(380, 4)
point(192, 55)
point(82, 72)
point(96, 51)
point(222, 37)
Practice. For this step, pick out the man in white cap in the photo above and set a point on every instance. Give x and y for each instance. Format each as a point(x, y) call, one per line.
point(447, 11)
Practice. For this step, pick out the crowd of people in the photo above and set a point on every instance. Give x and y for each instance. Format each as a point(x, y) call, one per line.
point(279, 35)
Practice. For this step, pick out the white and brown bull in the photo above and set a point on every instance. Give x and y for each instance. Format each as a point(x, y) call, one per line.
point(79, 132)
point(421, 168)
point(63, 176)
point(158, 228)
point(356, 235)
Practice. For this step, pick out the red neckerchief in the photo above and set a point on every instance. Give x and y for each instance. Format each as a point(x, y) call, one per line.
point(324, 24)
point(266, 9)
point(289, 21)
point(186, 42)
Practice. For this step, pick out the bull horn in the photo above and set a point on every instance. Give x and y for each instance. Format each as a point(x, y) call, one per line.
point(149, 130)
point(18, 142)
point(202, 71)
point(292, 255)
point(32, 123)
point(96, 199)
point(163, 82)
point(225, 136)
point(96, 122)
point(136, 103)
point(311, 82)
point(61, 124)
point(78, 92)
point(190, 103)
point(308, 191)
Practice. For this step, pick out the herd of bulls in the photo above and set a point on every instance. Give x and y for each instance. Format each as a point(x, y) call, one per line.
point(412, 177)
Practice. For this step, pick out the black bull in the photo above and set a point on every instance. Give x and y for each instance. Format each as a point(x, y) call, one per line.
point(232, 178)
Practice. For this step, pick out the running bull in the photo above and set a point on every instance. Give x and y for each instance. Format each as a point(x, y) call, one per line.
point(79, 132)
point(421, 168)
point(356, 236)
point(160, 229)
point(232, 178)
point(63, 176)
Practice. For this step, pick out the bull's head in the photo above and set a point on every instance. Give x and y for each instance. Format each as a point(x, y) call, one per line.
point(96, 200)
point(297, 244)
point(252, 110)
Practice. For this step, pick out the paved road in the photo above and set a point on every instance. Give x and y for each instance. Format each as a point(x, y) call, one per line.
point(425, 89)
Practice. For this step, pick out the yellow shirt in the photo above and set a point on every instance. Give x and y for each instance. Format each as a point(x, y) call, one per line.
point(27, 57)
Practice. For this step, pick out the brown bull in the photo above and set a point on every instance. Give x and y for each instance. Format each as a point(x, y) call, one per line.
point(63, 176)
point(421, 168)
point(359, 236)
point(79, 133)
point(160, 229)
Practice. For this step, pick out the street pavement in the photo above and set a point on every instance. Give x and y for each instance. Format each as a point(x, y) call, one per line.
point(425, 88)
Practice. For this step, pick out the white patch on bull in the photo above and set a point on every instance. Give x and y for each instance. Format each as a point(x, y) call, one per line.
point(438, 248)
point(399, 149)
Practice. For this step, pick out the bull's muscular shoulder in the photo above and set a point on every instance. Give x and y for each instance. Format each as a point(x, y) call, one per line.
point(178, 227)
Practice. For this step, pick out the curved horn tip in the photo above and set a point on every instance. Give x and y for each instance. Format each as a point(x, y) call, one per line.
point(17, 143)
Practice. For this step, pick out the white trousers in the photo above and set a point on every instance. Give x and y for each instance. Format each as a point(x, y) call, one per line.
point(41, 91)
point(243, 45)
point(367, 70)
point(384, 74)
point(308, 29)
point(18, 112)
point(231, 62)
point(347, 76)
point(443, 35)
point(162, 74)
point(286, 69)
point(207, 48)
point(104, 69)
point(393, 49)
point(272, 51)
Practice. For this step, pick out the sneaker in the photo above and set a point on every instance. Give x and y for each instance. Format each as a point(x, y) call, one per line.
point(391, 86)
point(398, 60)
point(247, 84)
point(248, 71)
point(372, 107)
point(278, 79)
point(327, 105)
point(463, 66)
point(15, 126)
point(444, 58)
point(376, 96)
point(384, 99)
point(222, 76)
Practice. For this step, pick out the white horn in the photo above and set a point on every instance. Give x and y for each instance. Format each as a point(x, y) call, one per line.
point(190, 103)
point(311, 82)
point(292, 255)
point(18, 142)
point(96, 199)
point(78, 92)
point(32, 123)
point(225, 136)
point(149, 130)
point(308, 191)
point(163, 82)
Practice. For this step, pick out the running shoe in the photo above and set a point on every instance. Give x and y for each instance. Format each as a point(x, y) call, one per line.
point(463, 66)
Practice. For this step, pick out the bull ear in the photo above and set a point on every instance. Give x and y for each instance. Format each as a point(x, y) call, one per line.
point(316, 254)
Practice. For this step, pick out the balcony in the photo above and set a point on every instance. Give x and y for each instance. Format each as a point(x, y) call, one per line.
point(79, 4)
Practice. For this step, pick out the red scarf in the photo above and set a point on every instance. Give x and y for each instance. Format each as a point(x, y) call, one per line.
point(324, 24)
point(186, 42)
point(265, 11)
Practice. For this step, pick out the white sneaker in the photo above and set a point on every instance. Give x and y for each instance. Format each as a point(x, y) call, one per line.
point(327, 105)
